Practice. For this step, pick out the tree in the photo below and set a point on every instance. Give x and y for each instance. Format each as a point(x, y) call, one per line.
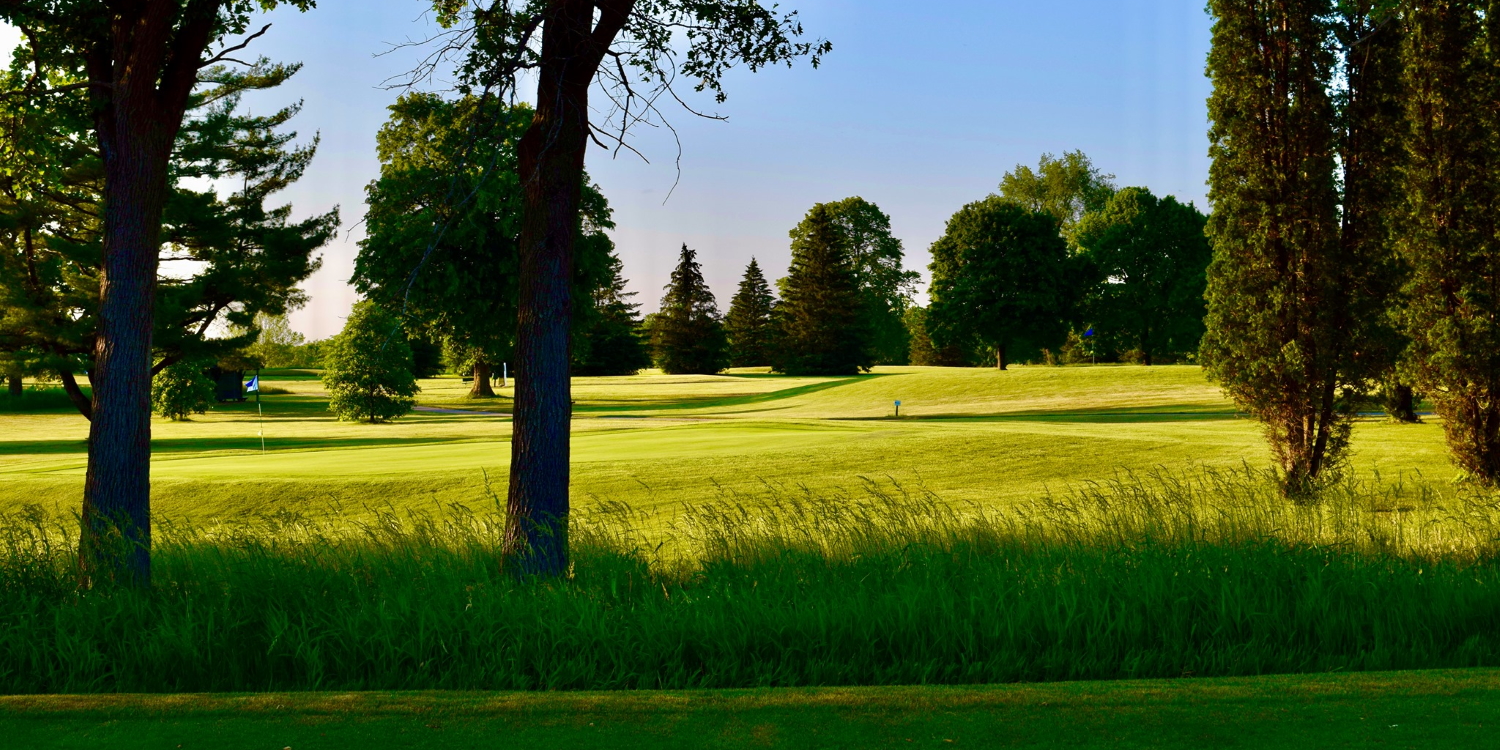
point(139, 64)
point(1067, 188)
point(367, 368)
point(1149, 256)
point(822, 316)
point(1283, 324)
point(1449, 236)
point(182, 389)
point(1372, 136)
point(750, 323)
point(564, 43)
point(923, 352)
point(1002, 276)
point(443, 224)
point(688, 336)
point(885, 287)
point(612, 344)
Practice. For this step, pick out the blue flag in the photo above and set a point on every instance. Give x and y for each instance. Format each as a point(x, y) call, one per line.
point(254, 385)
point(1089, 333)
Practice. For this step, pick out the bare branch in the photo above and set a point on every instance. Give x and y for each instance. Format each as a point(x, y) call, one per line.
point(222, 56)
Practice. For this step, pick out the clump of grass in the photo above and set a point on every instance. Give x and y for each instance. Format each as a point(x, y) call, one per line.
point(1172, 574)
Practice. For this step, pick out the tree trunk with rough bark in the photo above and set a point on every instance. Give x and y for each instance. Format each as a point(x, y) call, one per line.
point(551, 169)
point(15, 386)
point(481, 387)
point(146, 61)
point(1403, 404)
point(1000, 363)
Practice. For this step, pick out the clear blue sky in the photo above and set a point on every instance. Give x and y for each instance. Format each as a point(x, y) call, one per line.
point(920, 108)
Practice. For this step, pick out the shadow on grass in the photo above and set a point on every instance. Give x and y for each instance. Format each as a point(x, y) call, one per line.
point(709, 402)
point(1123, 415)
point(209, 445)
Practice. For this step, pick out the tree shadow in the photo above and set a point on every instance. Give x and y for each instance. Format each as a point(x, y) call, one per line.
point(708, 402)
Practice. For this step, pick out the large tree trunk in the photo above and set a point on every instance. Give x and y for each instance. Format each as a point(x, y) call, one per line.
point(481, 387)
point(16, 387)
point(116, 542)
point(146, 62)
point(1000, 363)
point(1402, 404)
point(551, 166)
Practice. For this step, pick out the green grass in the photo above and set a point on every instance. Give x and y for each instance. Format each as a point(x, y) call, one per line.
point(655, 441)
point(1395, 710)
point(1165, 576)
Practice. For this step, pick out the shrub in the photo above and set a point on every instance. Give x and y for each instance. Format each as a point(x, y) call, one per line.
point(182, 389)
point(368, 368)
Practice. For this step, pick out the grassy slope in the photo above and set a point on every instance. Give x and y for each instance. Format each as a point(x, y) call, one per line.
point(969, 435)
point(1397, 710)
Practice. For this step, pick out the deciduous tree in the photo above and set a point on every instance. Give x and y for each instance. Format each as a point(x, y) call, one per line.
point(367, 367)
point(633, 48)
point(1149, 257)
point(1001, 275)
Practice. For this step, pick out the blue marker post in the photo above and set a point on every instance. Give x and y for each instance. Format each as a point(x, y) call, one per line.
point(898, 408)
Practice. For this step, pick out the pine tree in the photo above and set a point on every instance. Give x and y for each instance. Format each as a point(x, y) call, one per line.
point(823, 328)
point(750, 320)
point(687, 335)
point(1452, 310)
point(611, 345)
point(1283, 328)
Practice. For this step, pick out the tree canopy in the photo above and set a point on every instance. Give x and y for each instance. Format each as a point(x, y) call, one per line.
point(1066, 188)
point(1149, 256)
point(1002, 276)
point(823, 317)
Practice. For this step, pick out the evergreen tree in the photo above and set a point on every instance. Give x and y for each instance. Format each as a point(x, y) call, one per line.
point(1002, 276)
point(612, 344)
point(885, 287)
point(750, 323)
point(824, 329)
point(687, 335)
point(1452, 311)
point(367, 368)
point(1149, 257)
point(1283, 325)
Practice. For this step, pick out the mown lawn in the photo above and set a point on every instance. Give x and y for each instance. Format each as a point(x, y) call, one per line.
point(655, 441)
point(1450, 709)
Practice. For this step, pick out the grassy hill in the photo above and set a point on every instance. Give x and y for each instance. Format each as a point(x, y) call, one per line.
point(654, 441)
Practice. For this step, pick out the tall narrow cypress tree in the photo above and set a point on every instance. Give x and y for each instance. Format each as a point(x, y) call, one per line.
point(1452, 311)
point(749, 322)
point(823, 328)
point(1372, 132)
point(1279, 311)
point(687, 334)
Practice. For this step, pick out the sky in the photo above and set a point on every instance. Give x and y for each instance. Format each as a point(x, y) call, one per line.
point(920, 109)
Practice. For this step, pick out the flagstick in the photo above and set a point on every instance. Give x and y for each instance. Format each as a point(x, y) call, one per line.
point(259, 413)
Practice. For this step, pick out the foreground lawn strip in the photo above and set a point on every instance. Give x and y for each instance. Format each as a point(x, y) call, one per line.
point(1392, 709)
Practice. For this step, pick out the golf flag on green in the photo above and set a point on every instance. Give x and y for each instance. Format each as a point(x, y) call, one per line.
point(253, 386)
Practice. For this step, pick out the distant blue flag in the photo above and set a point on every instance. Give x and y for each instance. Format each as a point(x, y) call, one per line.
point(254, 385)
point(1089, 333)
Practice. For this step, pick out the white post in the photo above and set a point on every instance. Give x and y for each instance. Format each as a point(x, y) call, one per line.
point(504, 373)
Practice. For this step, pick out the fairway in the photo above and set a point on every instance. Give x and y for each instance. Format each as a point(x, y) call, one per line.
point(1396, 710)
point(654, 441)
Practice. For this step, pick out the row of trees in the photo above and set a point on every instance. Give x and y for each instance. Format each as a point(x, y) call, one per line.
point(841, 307)
point(1355, 151)
point(1062, 265)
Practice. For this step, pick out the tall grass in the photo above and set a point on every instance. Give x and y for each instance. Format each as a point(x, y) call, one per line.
point(1172, 574)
